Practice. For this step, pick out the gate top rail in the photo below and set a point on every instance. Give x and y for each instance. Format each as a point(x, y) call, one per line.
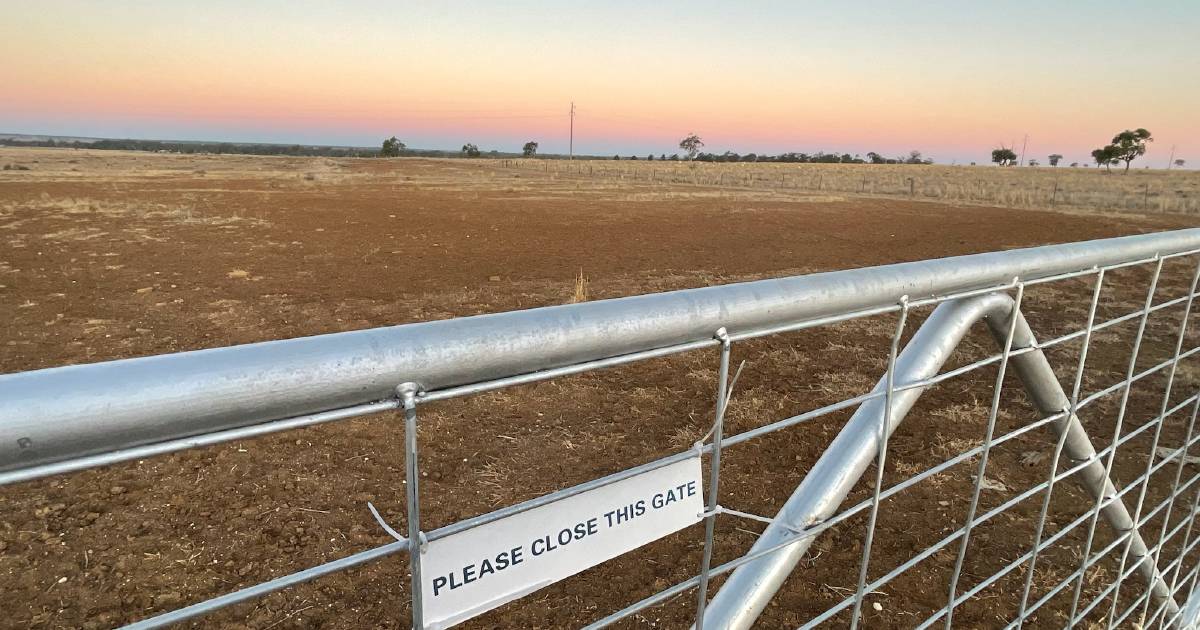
point(67, 413)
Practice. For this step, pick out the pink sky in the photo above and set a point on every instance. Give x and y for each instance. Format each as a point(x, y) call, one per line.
point(953, 81)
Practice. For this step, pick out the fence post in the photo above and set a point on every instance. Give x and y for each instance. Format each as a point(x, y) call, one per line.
point(408, 396)
point(714, 475)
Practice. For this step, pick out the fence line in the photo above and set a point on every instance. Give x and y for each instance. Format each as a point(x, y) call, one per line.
point(1045, 189)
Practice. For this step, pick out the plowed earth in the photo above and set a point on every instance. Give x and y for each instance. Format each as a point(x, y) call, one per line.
point(110, 255)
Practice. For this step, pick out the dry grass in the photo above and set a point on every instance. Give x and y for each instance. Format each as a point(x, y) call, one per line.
point(1064, 188)
point(1142, 191)
point(72, 208)
point(580, 294)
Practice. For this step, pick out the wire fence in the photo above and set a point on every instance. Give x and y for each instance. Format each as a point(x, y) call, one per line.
point(1105, 536)
point(1063, 188)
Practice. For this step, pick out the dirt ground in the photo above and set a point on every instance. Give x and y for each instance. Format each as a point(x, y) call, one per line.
point(105, 255)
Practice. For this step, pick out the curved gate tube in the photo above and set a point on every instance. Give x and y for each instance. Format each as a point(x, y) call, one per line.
point(751, 586)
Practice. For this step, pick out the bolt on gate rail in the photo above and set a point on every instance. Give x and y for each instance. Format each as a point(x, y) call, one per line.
point(66, 419)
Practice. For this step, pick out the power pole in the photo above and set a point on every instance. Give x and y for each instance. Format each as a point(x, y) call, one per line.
point(1171, 160)
point(1023, 144)
point(571, 146)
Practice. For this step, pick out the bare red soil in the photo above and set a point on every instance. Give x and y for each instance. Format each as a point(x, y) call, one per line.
point(104, 256)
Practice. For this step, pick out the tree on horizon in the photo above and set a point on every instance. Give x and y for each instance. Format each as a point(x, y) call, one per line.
point(691, 145)
point(392, 147)
point(1106, 157)
point(1129, 145)
point(1004, 156)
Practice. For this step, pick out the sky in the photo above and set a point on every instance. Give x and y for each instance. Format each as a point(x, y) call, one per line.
point(952, 79)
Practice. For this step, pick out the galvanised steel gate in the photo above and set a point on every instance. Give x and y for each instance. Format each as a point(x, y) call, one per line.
point(66, 419)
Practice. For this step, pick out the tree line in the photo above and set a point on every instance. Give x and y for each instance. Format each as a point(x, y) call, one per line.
point(691, 145)
point(819, 157)
point(1126, 147)
point(180, 146)
point(391, 148)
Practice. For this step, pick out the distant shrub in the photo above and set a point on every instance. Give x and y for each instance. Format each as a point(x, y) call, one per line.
point(392, 147)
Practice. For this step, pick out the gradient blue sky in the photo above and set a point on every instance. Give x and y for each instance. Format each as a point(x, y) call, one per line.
point(953, 79)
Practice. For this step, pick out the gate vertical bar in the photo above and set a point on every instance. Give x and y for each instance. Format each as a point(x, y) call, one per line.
point(997, 390)
point(1112, 455)
point(1059, 445)
point(412, 475)
point(1162, 419)
point(881, 459)
point(714, 477)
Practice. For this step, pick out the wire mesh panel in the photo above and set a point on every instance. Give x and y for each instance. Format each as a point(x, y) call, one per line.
point(987, 556)
point(996, 454)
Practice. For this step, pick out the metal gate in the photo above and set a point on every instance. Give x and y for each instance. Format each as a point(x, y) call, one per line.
point(67, 419)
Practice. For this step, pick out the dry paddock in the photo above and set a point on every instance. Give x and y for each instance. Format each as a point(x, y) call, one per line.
point(109, 255)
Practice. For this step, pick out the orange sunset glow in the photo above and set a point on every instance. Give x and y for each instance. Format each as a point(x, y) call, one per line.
point(951, 81)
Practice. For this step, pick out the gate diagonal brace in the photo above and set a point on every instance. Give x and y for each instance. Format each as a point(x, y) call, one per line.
point(744, 596)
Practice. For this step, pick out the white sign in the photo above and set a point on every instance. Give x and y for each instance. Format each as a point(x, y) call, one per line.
point(474, 571)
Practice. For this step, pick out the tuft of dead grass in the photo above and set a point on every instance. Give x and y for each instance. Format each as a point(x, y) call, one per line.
point(580, 293)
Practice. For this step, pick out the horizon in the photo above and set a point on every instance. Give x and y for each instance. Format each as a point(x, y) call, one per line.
point(952, 82)
point(508, 153)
